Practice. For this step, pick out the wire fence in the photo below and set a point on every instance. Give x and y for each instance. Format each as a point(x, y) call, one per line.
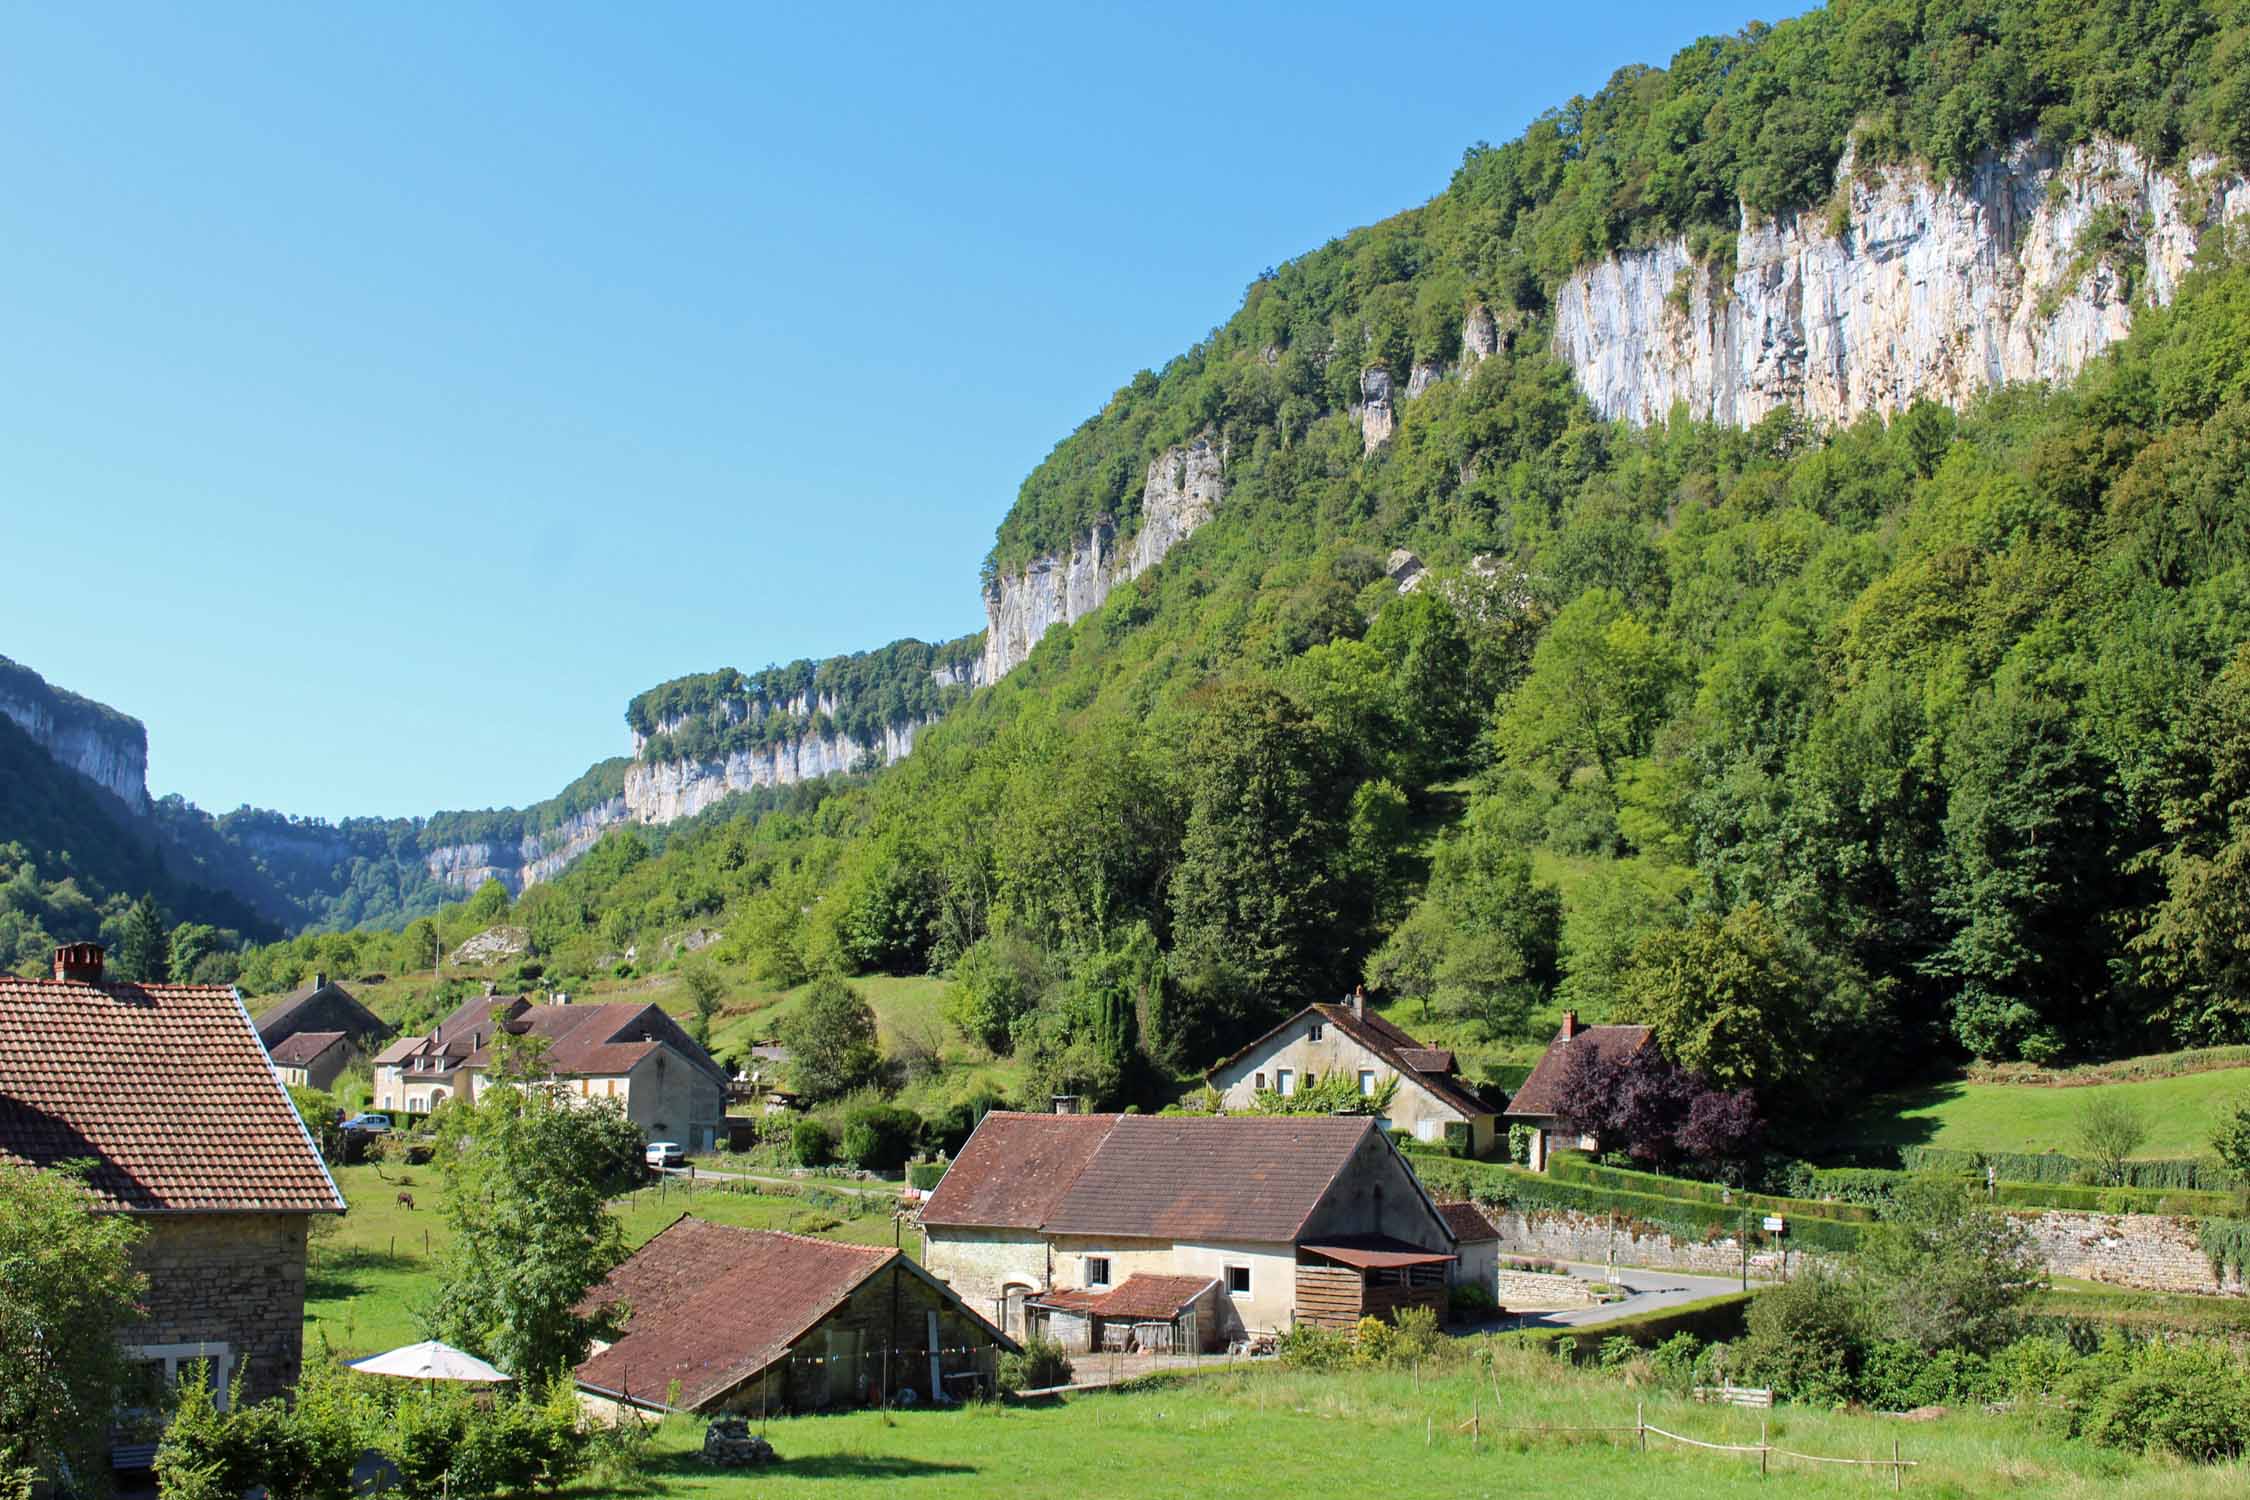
point(1643, 1429)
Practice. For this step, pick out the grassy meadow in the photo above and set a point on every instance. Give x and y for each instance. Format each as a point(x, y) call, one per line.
point(1265, 1431)
point(380, 1260)
point(1967, 1116)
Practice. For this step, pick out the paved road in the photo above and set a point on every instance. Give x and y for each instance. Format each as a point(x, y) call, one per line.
point(1651, 1290)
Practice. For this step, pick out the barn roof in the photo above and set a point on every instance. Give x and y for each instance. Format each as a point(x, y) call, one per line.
point(1541, 1094)
point(1015, 1169)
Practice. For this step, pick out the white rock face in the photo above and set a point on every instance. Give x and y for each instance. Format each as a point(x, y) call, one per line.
point(1931, 290)
point(115, 761)
point(1480, 337)
point(1377, 418)
point(1185, 485)
point(536, 857)
point(661, 791)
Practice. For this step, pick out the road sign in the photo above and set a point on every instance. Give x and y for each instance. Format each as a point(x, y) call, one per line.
point(1776, 1224)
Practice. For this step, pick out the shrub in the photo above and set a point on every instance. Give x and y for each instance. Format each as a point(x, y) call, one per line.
point(1470, 1302)
point(2192, 1400)
point(1308, 1346)
point(1804, 1340)
point(1519, 1144)
point(812, 1143)
point(1041, 1365)
point(1674, 1361)
point(879, 1137)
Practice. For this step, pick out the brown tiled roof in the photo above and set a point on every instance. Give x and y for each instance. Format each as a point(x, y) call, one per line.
point(304, 1048)
point(165, 1087)
point(1015, 1169)
point(709, 1306)
point(599, 1040)
point(1427, 1067)
point(1256, 1178)
point(1151, 1296)
point(1541, 1094)
point(1377, 1252)
point(328, 1006)
point(1468, 1222)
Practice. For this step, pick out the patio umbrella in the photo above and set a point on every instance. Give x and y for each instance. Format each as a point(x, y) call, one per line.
point(428, 1360)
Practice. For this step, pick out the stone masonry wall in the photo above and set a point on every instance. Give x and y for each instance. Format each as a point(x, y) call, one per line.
point(237, 1279)
point(1522, 1290)
point(1588, 1238)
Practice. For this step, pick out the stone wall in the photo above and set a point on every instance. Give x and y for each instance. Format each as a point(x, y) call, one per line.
point(232, 1279)
point(1588, 1238)
point(2156, 1252)
point(1520, 1291)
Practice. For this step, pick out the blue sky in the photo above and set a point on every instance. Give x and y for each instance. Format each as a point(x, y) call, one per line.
point(392, 391)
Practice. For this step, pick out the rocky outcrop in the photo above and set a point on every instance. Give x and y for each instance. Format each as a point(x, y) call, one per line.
point(1481, 336)
point(661, 791)
point(1378, 419)
point(105, 747)
point(2024, 272)
point(492, 945)
point(521, 864)
point(1184, 486)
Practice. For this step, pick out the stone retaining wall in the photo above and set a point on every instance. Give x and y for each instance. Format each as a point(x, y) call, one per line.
point(1532, 1291)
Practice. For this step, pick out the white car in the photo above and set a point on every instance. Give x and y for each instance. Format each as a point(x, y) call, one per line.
point(662, 1154)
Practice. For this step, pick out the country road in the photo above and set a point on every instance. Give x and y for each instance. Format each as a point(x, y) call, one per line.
point(1651, 1290)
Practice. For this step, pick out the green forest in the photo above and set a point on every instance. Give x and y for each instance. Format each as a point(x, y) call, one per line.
point(1832, 753)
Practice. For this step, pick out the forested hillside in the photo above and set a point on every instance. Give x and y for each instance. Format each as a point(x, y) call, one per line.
point(1830, 752)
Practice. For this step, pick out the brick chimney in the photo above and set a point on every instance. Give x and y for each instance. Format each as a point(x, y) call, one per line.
point(1359, 1002)
point(80, 963)
point(1569, 1024)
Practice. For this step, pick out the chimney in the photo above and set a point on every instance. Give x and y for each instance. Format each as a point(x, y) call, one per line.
point(79, 963)
point(1359, 1002)
point(320, 980)
point(1569, 1024)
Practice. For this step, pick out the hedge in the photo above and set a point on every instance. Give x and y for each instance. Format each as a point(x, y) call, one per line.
point(1683, 1218)
point(1711, 1319)
point(924, 1174)
point(1576, 1167)
point(2190, 1173)
point(1875, 1184)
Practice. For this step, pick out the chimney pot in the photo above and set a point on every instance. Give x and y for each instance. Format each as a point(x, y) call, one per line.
point(1359, 1001)
point(79, 962)
point(320, 980)
point(1569, 1024)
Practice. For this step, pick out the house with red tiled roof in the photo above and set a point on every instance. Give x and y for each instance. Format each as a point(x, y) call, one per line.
point(1539, 1103)
point(1058, 1224)
point(417, 1073)
point(312, 1059)
point(719, 1319)
point(634, 1054)
point(169, 1094)
point(319, 1004)
point(1433, 1102)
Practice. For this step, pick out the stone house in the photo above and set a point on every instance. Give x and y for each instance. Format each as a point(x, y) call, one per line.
point(1476, 1240)
point(635, 1054)
point(720, 1319)
point(1539, 1102)
point(1322, 1040)
point(312, 1059)
point(167, 1090)
point(1290, 1218)
point(417, 1073)
point(321, 1005)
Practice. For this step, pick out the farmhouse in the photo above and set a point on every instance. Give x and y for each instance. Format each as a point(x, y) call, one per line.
point(634, 1054)
point(312, 1059)
point(1539, 1102)
point(1214, 1228)
point(719, 1319)
point(415, 1074)
point(167, 1091)
point(320, 1005)
point(1432, 1103)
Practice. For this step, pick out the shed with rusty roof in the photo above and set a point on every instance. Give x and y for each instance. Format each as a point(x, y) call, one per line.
point(720, 1319)
point(166, 1090)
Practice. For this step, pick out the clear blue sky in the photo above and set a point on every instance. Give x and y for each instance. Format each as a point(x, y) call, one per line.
point(389, 392)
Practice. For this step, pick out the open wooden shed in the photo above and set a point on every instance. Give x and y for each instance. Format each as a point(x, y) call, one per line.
point(1368, 1276)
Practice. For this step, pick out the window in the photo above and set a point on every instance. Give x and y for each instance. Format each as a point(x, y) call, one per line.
point(1367, 1083)
point(166, 1361)
point(1097, 1270)
point(1261, 1083)
point(1312, 1032)
point(1238, 1281)
point(1285, 1080)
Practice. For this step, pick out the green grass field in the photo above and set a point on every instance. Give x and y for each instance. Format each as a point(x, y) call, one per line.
point(1269, 1432)
point(381, 1259)
point(2020, 1117)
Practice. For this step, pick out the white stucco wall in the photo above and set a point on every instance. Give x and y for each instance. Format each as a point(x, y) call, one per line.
point(1414, 1111)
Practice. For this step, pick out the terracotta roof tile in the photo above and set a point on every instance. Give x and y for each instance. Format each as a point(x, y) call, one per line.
point(1151, 1297)
point(1242, 1177)
point(168, 1090)
point(1541, 1094)
point(600, 1040)
point(1468, 1222)
point(304, 1048)
point(1014, 1169)
point(1427, 1067)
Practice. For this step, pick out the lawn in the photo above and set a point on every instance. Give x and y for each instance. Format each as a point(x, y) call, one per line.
point(1269, 1432)
point(2024, 1117)
point(381, 1259)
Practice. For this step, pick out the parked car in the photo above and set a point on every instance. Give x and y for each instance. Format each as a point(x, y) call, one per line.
point(661, 1154)
point(368, 1124)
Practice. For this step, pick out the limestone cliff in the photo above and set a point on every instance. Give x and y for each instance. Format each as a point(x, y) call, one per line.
point(523, 862)
point(106, 747)
point(2024, 272)
point(1183, 488)
point(659, 791)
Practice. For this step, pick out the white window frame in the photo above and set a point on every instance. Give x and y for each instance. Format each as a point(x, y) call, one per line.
point(1285, 1081)
point(1366, 1083)
point(1098, 1270)
point(1312, 1032)
point(218, 1352)
point(1246, 1282)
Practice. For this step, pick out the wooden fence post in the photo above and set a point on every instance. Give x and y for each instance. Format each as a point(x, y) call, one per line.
point(1761, 1450)
point(1640, 1425)
point(1897, 1474)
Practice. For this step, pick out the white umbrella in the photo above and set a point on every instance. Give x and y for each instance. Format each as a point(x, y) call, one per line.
point(428, 1360)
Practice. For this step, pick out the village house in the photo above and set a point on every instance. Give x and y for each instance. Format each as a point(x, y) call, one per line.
point(1432, 1102)
point(1538, 1104)
point(167, 1090)
point(1476, 1240)
point(417, 1073)
point(1210, 1228)
point(312, 1059)
point(634, 1054)
point(320, 1005)
point(719, 1319)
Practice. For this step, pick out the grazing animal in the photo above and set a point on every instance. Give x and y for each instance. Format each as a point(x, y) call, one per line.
point(406, 1200)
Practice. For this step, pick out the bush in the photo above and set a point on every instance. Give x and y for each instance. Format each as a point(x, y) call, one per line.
point(1674, 1361)
point(925, 1175)
point(879, 1137)
point(1041, 1365)
point(1308, 1346)
point(2192, 1400)
point(1519, 1144)
point(1469, 1302)
point(1804, 1340)
point(812, 1143)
